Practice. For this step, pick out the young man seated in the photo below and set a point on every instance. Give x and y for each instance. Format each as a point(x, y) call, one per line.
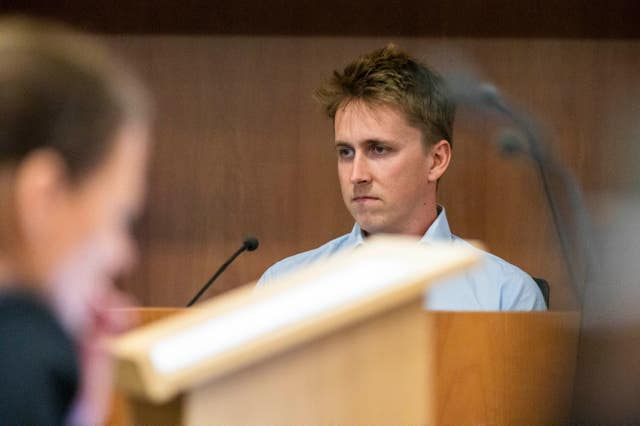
point(393, 122)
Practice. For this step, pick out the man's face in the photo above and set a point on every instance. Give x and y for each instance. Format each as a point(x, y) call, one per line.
point(384, 170)
point(90, 238)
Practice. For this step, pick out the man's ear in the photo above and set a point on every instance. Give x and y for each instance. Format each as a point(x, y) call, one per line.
point(440, 155)
point(40, 185)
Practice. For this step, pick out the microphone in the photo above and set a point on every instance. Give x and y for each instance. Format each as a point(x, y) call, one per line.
point(249, 244)
point(486, 96)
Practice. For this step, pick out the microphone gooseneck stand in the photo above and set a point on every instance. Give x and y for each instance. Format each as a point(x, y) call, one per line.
point(249, 244)
point(487, 96)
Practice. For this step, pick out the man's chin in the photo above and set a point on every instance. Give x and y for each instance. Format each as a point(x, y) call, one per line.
point(371, 221)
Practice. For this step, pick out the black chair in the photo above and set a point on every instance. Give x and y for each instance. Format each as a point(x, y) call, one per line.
point(543, 285)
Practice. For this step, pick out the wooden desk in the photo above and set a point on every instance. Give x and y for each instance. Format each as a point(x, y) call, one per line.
point(491, 368)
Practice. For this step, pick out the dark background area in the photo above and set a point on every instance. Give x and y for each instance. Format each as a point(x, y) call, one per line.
point(413, 18)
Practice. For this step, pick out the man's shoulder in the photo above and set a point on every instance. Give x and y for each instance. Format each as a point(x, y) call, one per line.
point(21, 309)
point(296, 261)
point(39, 365)
point(27, 323)
point(515, 289)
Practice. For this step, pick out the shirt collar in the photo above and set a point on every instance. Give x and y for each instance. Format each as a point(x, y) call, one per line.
point(438, 231)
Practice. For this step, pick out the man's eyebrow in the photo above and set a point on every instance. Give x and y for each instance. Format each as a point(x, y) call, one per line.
point(365, 142)
point(377, 141)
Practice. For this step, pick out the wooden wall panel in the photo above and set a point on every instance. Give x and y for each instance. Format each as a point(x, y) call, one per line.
point(242, 149)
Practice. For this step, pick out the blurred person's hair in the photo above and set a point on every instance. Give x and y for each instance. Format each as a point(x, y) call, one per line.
point(61, 90)
point(389, 76)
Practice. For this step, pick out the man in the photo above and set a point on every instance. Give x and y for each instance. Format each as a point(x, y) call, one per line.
point(393, 123)
point(74, 126)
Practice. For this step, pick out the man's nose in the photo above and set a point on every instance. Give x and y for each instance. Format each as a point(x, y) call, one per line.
point(360, 170)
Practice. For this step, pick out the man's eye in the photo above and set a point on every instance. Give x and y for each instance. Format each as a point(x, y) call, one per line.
point(379, 149)
point(345, 152)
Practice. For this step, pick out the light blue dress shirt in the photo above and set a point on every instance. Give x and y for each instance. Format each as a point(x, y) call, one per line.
point(494, 285)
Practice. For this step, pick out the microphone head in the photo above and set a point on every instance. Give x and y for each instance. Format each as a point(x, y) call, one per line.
point(251, 243)
point(510, 143)
point(467, 90)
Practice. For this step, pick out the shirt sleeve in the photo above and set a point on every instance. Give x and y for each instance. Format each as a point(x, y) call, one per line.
point(521, 293)
point(265, 278)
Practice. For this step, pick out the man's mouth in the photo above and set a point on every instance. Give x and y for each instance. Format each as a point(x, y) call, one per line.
point(364, 198)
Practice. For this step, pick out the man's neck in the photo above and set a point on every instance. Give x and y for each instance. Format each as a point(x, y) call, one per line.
point(417, 230)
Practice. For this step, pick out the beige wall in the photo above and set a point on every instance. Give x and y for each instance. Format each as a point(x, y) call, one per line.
point(242, 149)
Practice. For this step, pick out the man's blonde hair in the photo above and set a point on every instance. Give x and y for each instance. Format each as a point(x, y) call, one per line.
point(390, 76)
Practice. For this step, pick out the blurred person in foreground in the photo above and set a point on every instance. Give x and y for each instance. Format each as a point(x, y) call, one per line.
point(393, 124)
point(73, 151)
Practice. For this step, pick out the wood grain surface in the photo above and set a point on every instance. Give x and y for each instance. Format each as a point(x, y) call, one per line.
point(479, 368)
point(504, 368)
